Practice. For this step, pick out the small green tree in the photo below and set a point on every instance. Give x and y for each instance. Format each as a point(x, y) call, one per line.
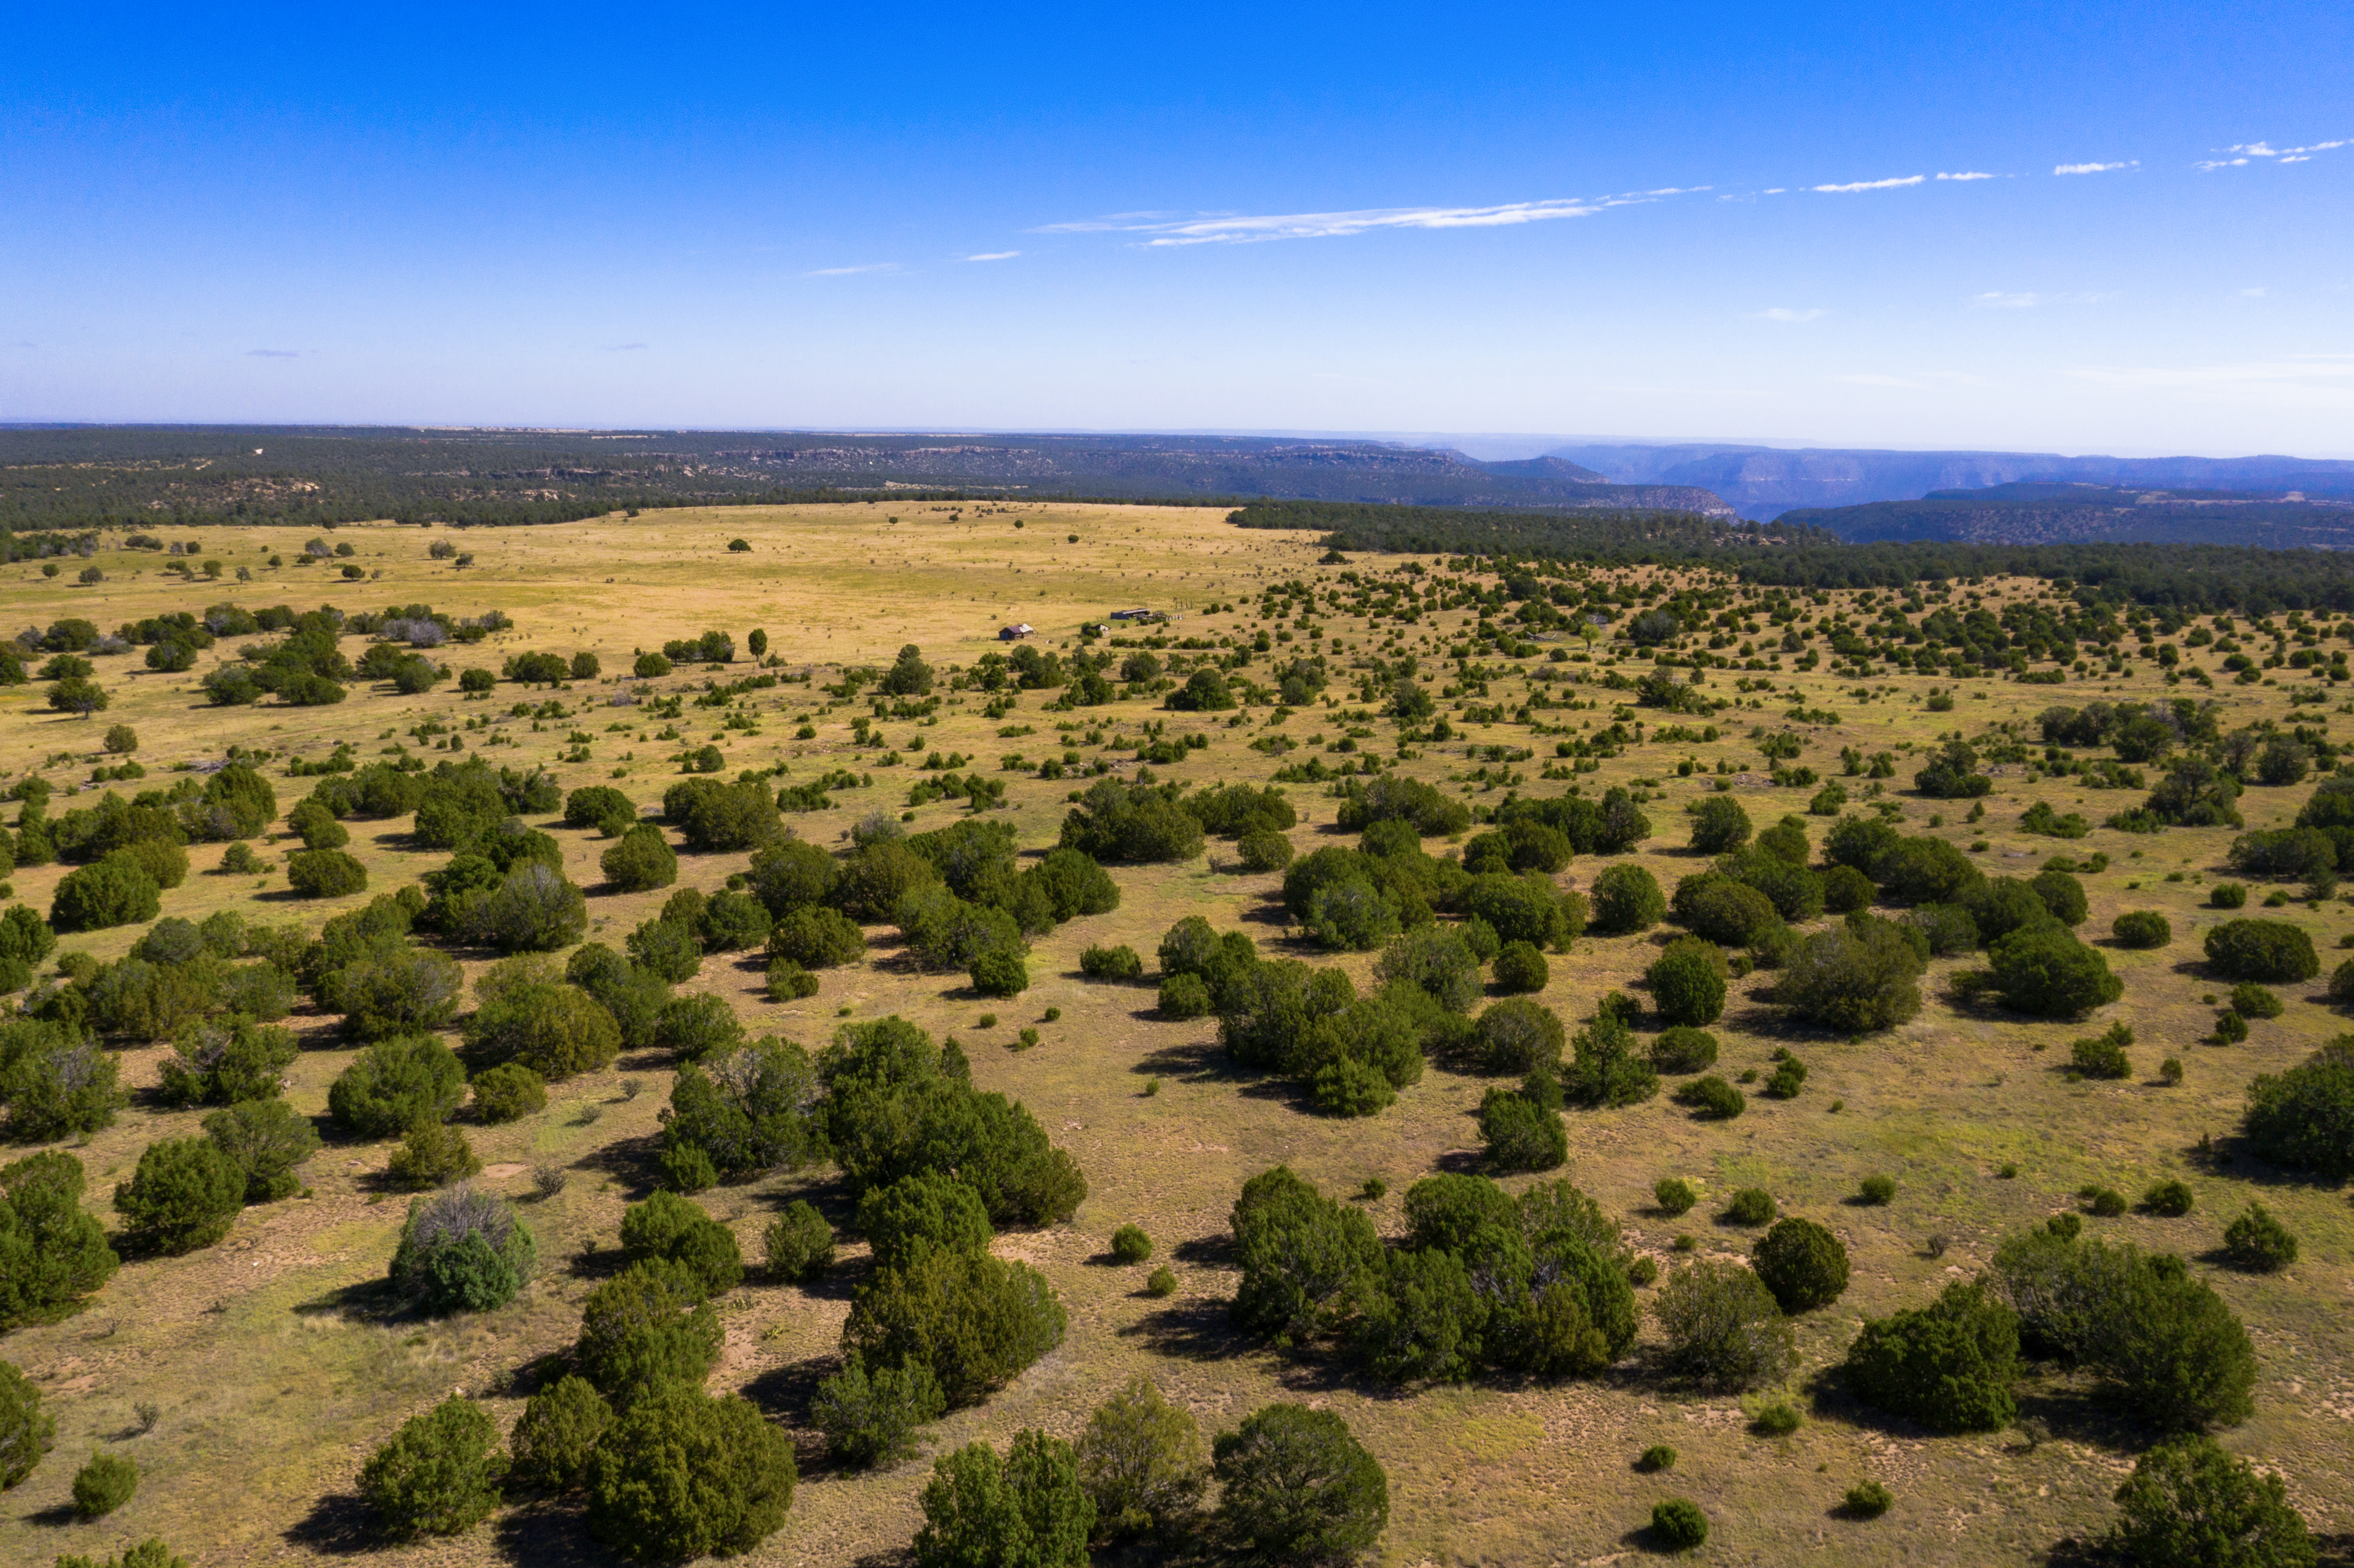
point(557, 1435)
point(1802, 1264)
point(1626, 898)
point(1723, 1328)
point(462, 1250)
point(2303, 1117)
point(27, 1431)
point(799, 1243)
point(267, 1139)
point(975, 1320)
point(2255, 1242)
point(508, 1092)
point(431, 1155)
point(1949, 1365)
point(1686, 982)
point(439, 1475)
point(2188, 1504)
point(647, 1328)
point(103, 1485)
point(2045, 971)
point(1718, 824)
point(683, 1474)
point(871, 1418)
point(642, 861)
point(325, 874)
point(676, 1230)
point(186, 1194)
point(2271, 950)
point(53, 1253)
point(396, 1084)
point(1141, 1460)
point(1297, 1487)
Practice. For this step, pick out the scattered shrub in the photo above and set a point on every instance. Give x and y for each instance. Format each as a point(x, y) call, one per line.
point(1802, 1264)
point(2142, 929)
point(676, 1231)
point(2258, 1243)
point(2261, 950)
point(642, 861)
point(2252, 1001)
point(103, 1485)
point(186, 1194)
point(1131, 1244)
point(2045, 971)
point(1674, 1195)
point(1686, 982)
point(462, 1250)
point(431, 1155)
point(1949, 1365)
point(1858, 979)
point(871, 1418)
point(325, 874)
point(396, 1084)
point(557, 1435)
point(1184, 996)
point(2170, 1200)
point(1027, 1508)
point(1298, 1487)
point(1118, 963)
point(1722, 1327)
point(1877, 1189)
point(682, 1474)
point(1712, 1098)
point(2228, 895)
point(2303, 1118)
point(1142, 1462)
point(27, 1431)
point(508, 1092)
point(799, 1243)
point(439, 1475)
point(2188, 1504)
point(1657, 1458)
point(1868, 1500)
point(1750, 1206)
point(1626, 898)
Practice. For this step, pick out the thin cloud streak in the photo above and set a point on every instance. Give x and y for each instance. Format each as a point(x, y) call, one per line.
point(1252, 229)
point(1968, 177)
point(995, 256)
point(853, 272)
point(2094, 168)
point(1870, 184)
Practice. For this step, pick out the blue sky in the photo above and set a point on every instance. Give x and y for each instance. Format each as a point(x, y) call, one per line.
point(1849, 224)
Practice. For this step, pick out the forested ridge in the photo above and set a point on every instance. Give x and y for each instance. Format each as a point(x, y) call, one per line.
point(2188, 576)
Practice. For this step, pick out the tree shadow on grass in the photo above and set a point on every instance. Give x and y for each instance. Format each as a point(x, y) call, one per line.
point(1195, 1061)
point(632, 1164)
point(1199, 1328)
point(340, 1524)
point(552, 1534)
point(1215, 1250)
point(57, 1516)
point(367, 1298)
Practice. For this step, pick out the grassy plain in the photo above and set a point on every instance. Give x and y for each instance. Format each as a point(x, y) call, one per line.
point(278, 1367)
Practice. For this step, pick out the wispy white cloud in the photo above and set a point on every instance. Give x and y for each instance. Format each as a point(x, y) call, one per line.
point(1784, 314)
point(1968, 177)
point(995, 256)
point(1238, 228)
point(2247, 152)
point(851, 271)
point(1995, 299)
point(1870, 184)
point(2094, 168)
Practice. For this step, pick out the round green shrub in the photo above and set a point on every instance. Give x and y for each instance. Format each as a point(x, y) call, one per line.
point(1264, 849)
point(683, 1474)
point(1949, 1365)
point(1875, 1191)
point(1116, 963)
point(799, 1243)
point(557, 1031)
point(1520, 969)
point(557, 1435)
point(439, 1475)
point(871, 1418)
point(676, 1231)
point(1750, 1206)
point(1163, 1281)
point(325, 874)
point(1676, 1524)
point(2188, 1504)
point(1657, 1458)
point(186, 1194)
point(27, 1431)
point(1723, 1329)
point(1846, 889)
point(2261, 950)
point(2106, 1202)
point(1802, 1264)
point(1184, 996)
point(2230, 1029)
point(2303, 1118)
point(817, 938)
point(640, 860)
point(2228, 895)
point(2169, 1200)
point(2045, 971)
point(1719, 824)
point(394, 1084)
point(1131, 1244)
point(431, 1155)
point(694, 1027)
point(104, 1485)
point(2252, 1001)
point(1778, 1419)
point(1626, 898)
point(2141, 928)
point(1868, 1500)
point(462, 1250)
point(1000, 974)
point(2256, 1243)
point(1674, 1195)
point(110, 893)
point(1688, 984)
point(1712, 1100)
point(508, 1092)
point(787, 982)
point(1683, 1050)
point(1297, 1485)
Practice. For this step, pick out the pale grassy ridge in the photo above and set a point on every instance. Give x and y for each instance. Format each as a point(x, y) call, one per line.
point(277, 1373)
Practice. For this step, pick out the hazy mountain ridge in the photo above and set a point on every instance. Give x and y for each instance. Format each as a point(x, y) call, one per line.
point(1762, 483)
point(2042, 512)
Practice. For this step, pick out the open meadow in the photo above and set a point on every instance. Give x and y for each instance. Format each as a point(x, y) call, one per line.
point(250, 1379)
